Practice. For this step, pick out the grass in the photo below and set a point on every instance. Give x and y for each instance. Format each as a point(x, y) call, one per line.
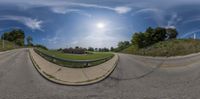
point(91, 56)
point(8, 46)
point(168, 48)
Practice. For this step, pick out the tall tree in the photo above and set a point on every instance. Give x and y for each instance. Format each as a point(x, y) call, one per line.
point(16, 35)
point(171, 33)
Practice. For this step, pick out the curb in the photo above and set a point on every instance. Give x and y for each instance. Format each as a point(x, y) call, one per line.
point(57, 81)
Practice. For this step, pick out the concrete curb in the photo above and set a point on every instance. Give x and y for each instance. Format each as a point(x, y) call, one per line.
point(58, 81)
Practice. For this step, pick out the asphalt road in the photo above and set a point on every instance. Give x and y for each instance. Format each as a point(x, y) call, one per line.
point(132, 79)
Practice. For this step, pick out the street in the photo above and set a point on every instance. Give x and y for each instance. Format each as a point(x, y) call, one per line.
point(131, 79)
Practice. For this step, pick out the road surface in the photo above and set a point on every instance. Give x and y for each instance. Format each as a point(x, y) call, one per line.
point(130, 80)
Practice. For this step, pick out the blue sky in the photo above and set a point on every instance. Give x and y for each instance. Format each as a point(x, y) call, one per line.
point(69, 23)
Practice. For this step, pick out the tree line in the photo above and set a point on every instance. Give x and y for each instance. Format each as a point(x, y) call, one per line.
point(152, 36)
point(81, 50)
point(17, 36)
point(149, 37)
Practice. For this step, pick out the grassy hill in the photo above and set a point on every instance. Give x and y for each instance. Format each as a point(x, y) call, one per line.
point(8, 46)
point(167, 48)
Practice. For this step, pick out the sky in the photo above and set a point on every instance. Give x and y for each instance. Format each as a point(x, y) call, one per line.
point(96, 23)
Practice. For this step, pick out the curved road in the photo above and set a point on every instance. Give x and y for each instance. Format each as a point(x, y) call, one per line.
point(132, 79)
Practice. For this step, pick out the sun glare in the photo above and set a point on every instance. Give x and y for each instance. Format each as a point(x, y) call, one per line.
point(100, 25)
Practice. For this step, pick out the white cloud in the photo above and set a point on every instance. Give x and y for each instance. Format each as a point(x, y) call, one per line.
point(119, 10)
point(63, 6)
point(173, 21)
point(145, 10)
point(188, 34)
point(195, 19)
point(157, 14)
point(34, 24)
point(63, 10)
point(122, 10)
point(53, 40)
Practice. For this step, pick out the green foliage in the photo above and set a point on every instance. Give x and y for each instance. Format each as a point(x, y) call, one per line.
point(160, 34)
point(76, 50)
point(172, 33)
point(152, 36)
point(172, 47)
point(16, 35)
point(29, 40)
point(122, 45)
point(112, 49)
point(93, 56)
point(41, 46)
point(139, 40)
point(103, 49)
point(130, 50)
point(7, 45)
point(90, 49)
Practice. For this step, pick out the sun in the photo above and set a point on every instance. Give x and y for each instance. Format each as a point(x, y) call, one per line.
point(100, 25)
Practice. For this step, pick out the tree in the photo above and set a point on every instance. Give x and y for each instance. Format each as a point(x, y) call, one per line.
point(160, 34)
point(90, 49)
point(29, 40)
point(105, 49)
point(139, 40)
point(171, 33)
point(123, 44)
point(16, 35)
point(96, 49)
point(100, 49)
point(112, 49)
point(152, 36)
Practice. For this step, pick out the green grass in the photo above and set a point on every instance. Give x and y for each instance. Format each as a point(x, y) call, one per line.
point(168, 48)
point(130, 50)
point(93, 56)
point(8, 46)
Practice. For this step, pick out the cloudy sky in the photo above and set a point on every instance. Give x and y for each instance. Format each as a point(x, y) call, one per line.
point(96, 23)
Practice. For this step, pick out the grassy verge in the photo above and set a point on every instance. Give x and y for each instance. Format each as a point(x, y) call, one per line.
point(7, 45)
point(176, 47)
point(92, 56)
